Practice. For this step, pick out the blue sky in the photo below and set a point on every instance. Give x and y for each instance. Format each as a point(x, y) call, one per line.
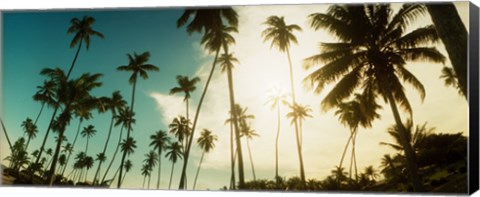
point(35, 40)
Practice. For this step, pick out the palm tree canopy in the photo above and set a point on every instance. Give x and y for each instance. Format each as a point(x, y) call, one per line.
point(88, 131)
point(128, 145)
point(218, 38)
point(359, 111)
point(125, 117)
point(299, 112)
point(128, 165)
point(280, 33)
point(83, 30)
point(207, 19)
point(185, 85)
point(46, 93)
point(138, 66)
point(175, 152)
point(415, 136)
point(29, 128)
point(226, 61)
point(373, 50)
point(276, 97)
point(206, 141)
point(151, 159)
point(160, 140)
point(180, 127)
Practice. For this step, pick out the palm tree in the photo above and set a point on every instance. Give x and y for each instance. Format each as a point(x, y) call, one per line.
point(210, 21)
point(61, 160)
point(174, 153)
point(115, 103)
point(206, 141)
point(298, 114)
point(150, 161)
point(361, 110)
point(249, 133)
point(125, 118)
point(447, 22)
point(186, 86)
point(45, 95)
point(71, 94)
point(82, 113)
point(6, 135)
point(138, 66)
point(371, 173)
point(30, 129)
point(160, 141)
point(127, 147)
point(88, 163)
point(226, 62)
point(88, 132)
point(83, 32)
point(100, 158)
point(371, 56)
point(128, 166)
point(68, 149)
point(276, 99)
point(145, 172)
point(281, 36)
point(180, 127)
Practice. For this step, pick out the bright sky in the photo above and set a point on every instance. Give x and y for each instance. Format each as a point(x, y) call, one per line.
point(35, 40)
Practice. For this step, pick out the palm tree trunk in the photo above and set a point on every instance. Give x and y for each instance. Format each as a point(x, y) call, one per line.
point(251, 160)
point(149, 177)
point(73, 144)
point(100, 162)
point(354, 154)
point(124, 175)
point(299, 146)
point(454, 36)
point(409, 153)
point(114, 155)
point(128, 136)
point(51, 177)
point(86, 146)
point(232, 157)
point(6, 136)
point(187, 151)
point(28, 142)
point(198, 170)
point(114, 176)
point(171, 175)
point(237, 131)
point(39, 113)
point(74, 59)
point(42, 147)
point(345, 149)
point(159, 167)
point(143, 184)
point(276, 143)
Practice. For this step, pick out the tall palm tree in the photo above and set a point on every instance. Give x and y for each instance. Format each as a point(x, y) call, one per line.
point(137, 64)
point(276, 99)
point(208, 20)
point(371, 55)
point(88, 163)
point(100, 157)
point(206, 141)
point(186, 86)
point(281, 36)
point(114, 104)
point(124, 118)
point(45, 95)
point(82, 113)
point(180, 128)
point(83, 32)
point(447, 22)
point(88, 132)
point(249, 133)
point(145, 172)
point(127, 147)
point(226, 62)
point(160, 141)
point(67, 149)
point(30, 129)
point(72, 93)
point(298, 114)
point(361, 110)
point(128, 166)
point(174, 153)
point(150, 161)
point(6, 135)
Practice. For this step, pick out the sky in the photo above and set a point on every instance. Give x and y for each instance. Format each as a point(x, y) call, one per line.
point(36, 40)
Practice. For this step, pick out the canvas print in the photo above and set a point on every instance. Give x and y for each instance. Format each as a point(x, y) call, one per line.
point(308, 98)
